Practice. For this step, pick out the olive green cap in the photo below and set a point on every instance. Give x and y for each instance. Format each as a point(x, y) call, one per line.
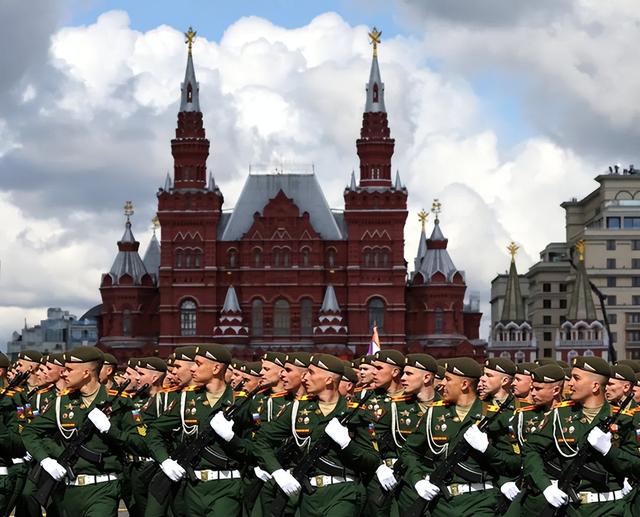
point(563, 364)
point(4, 361)
point(57, 359)
point(355, 363)
point(526, 368)
point(634, 365)
point(638, 379)
point(152, 363)
point(548, 373)
point(349, 374)
point(464, 367)
point(392, 357)
point(593, 365)
point(171, 359)
point(277, 358)
point(424, 362)
point(32, 355)
point(501, 365)
point(441, 371)
point(328, 362)
point(83, 354)
point(300, 359)
point(214, 352)
point(133, 362)
point(622, 372)
point(185, 353)
point(367, 359)
point(237, 364)
point(252, 368)
point(110, 359)
point(545, 360)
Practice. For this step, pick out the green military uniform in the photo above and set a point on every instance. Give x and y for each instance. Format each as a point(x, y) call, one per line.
point(217, 489)
point(96, 488)
point(10, 443)
point(338, 476)
point(473, 483)
point(550, 449)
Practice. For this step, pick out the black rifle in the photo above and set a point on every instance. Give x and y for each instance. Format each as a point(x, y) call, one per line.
point(18, 380)
point(37, 389)
point(46, 485)
point(307, 463)
point(573, 471)
point(188, 453)
point(140, 391)
point(444, 470)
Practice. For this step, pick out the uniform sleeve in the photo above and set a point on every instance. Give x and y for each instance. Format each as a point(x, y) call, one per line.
point(412, 454)
point(160, 433)
point(360, 454)
point(39, 436)
point(268, 438)
point(123, 431)
point(503, 454)
point(533, 453)
point(624, 459)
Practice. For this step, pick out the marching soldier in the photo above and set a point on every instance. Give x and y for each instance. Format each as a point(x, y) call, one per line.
point(108, 370)
point(10, 444)
point(365, 372)
point(521, 385)
point(95, 489)
point(473, 482)
point(348, 382)
point(620, 384)
point(551, 448)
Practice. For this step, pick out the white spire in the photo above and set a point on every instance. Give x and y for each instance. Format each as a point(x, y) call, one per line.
point(190, 100)
point(231, 301)
point(212, 183)
point(167, 183)
point(330, 302)
point(353, 181)
point(375, 89)
point(398, 184)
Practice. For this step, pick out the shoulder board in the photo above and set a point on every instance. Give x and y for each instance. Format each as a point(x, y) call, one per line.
point(492, 408)
point(564, 403)
point(170, 389)
point(67, 391)
point(278, 395)
point(628, 412)
point(526, 408)
point(18, 389)
point(239, 394)
point(303, 397)
point(358, 389)
point(113, 393)
point(9, 393)
point(438, 403)
point(264, 390)
point(401, 398)
point(353, 405)
point(47, 389)
point(193, 387)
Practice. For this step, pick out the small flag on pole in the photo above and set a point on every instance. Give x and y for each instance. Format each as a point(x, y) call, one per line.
point(374, 345)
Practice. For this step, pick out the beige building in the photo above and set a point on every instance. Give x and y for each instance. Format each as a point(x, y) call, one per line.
point(608, 220)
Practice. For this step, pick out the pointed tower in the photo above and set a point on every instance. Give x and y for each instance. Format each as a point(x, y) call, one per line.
point(129, 299)
point(438, 322)
point(513, 334)
point(581, 333)
point(189, 212)
point(151, 258)
point(330, 319)
point(375, 214)
point(230, 326)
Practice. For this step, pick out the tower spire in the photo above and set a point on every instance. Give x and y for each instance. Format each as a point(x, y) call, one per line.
point(513, 308)
point(375, 86)
point(190, 88)
point(581, 306)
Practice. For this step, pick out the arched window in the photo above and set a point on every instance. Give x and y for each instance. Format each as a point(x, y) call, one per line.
point(439, 321)
point(233, 258)
point(285, 257)
point(281, 318)
point(519, 357)
point(179, 258)
point(257, 257)
point(505, 355)
point(385, 258)
point(375, 92)
point(367, 258)
point(331, 257)
point(571, 355)
point(126, 322)
point(306, 316)
point(190, 93)
point(305, 257)
point(188, 318)
point(277, 257)
point(376, 314)
point(256, 317)
point(197, 257)
point(187, 259)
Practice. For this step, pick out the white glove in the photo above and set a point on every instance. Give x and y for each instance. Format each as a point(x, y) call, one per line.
point(338, 433)
point(510, 490)
point(386, 477)
point(599, 440)
point(262, 475)
point(555, 496)
point(426, 489)
point(286, 482)
point(99, 420)
point(53, 468)
point(477, 438)
point(626, 487)
point(222, 426)
point(172, 469)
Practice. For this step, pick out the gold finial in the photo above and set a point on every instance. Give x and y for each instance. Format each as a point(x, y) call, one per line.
point(128, 209)
point(513, 249)
point(422, 216)
point(190, 35)
point(580, 247)
point(155, 223)
point(436, 208)
point(374, 36)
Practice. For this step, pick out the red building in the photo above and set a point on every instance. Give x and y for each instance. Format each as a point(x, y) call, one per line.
point(283, 270)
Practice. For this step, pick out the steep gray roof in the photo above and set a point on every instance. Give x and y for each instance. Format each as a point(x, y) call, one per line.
point(152, 256)
point(422, 250)
point(192, 104)
point(305, 191)
point(436, 259)
point(231, 301)
point(513, 308)
point(581, 306)
point(330, 302)
point(371, 106)
point(127, 261)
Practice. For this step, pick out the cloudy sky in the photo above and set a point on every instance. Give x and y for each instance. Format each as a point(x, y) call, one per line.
point(502, 110)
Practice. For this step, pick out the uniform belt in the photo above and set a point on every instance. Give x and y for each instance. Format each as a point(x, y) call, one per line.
point(17, 461)
point(89, 479)
point(4, 471)
point(600, 497)
point(464, 488)
point(215, 475)
point(320, 481)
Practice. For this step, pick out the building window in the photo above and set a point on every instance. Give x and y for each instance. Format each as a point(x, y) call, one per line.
point(612, 300)
point(375, 309)
point(281, 319)
point(126, 322)
point(632, 317)
point(439, 321)
point(613, 223)
point(546, 336)
point(306, 316)
point(188, 318)
point(635, 263)
point(277, 257)
point(633, 336)
point(519, 356)
point(635, 281)
point(613, 318)
point(257, 317)
point(635, 300)
point(563, 287)
point(546, 287)
point(257, 257)
point(611, 244)
point(635, 244)
point(546, 352)
point(367, 258)
point(179, 258)
point(305, 257)
point(563, 304)
point(611, 281)
point(546, 304)
point(632, 222)
point(331, 258)
point(562, 319)
point(611, 263)
point(233, 258)
point(614, 337)
point(285, 257)
point(546, 320)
